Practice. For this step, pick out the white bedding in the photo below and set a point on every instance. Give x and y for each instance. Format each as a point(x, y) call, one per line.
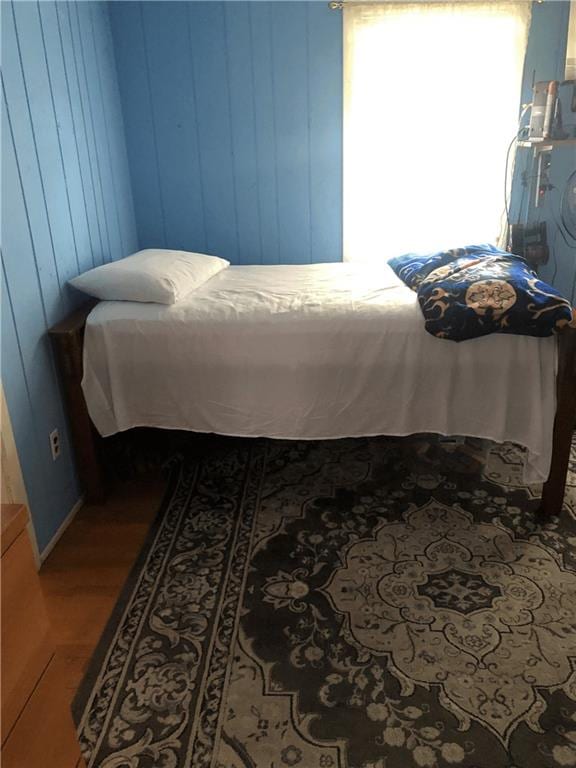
point(314, 351)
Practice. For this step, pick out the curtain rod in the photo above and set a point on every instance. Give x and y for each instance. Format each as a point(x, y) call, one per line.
point(339, 6)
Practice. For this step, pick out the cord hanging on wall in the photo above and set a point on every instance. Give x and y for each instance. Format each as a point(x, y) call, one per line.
point(568, 206)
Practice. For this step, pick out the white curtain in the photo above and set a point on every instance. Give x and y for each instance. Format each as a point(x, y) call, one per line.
point(431, 103)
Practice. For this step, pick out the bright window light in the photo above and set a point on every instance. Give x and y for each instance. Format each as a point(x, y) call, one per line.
point(432, 95)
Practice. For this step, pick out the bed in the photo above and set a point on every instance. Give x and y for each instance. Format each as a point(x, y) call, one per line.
point(316, 351)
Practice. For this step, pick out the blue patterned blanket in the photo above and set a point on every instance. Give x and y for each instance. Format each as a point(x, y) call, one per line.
point(473, 291)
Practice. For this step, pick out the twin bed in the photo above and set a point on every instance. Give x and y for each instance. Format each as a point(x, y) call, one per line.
point(311, 352)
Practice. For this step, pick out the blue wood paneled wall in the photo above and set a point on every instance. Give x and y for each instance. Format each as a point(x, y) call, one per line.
point(545, 60)
point(234, 122)
point(66, 206)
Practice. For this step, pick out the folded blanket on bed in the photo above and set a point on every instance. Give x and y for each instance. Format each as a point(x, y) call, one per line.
point(473, 291)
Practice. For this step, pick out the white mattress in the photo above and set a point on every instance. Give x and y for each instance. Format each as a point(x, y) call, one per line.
point(314, 351)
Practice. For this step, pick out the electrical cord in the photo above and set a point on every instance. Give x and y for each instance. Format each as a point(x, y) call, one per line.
point(506, 201)
point(520, 128)
point(564, 233)
point(525, 178)
point(554, 258)
point(571, 180)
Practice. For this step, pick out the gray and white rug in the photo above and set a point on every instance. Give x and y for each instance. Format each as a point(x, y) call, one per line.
point(349, 604)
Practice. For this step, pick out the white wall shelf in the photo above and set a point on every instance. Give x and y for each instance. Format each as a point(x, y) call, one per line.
point(545, 145)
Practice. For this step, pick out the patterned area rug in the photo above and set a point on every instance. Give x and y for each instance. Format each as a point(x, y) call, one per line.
point(351, 604)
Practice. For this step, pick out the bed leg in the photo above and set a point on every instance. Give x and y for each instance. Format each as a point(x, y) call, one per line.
point(554, 487)
point(564, 424)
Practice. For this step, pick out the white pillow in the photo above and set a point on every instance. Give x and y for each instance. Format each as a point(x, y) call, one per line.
point(153, 275)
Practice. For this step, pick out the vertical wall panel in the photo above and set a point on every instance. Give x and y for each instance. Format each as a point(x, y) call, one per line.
point(71, 175)
point(325, 101)
point(129, 48)
point(267, 159)
point(80, 144)
point(239, 63)
point(291, 101)
point(172, 95)
point(62, 143)
point(68, 9)
point(213, 115)
point(87, 87)
point(19, 124)
point(114, 114)
point(43, 121)
point(102, 51)
point(100, 130)
point(234, 130)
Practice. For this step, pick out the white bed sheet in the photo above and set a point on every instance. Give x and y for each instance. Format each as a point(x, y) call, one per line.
point(313, 351)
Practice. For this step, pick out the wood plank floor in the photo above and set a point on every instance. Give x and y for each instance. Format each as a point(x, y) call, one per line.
point(82, 577)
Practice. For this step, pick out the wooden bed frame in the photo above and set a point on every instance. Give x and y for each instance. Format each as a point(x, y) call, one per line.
point(68, 341)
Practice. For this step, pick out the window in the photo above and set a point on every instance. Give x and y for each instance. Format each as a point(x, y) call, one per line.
point(431, 103)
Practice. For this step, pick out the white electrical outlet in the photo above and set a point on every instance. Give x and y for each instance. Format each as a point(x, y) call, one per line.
point(55, 444)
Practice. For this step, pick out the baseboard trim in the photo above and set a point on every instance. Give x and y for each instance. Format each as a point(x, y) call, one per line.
point(65, 523)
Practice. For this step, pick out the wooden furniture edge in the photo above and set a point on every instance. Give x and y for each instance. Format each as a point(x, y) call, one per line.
point(68, 342)
point(14, 518)
point(564, 424)
point(67, 338)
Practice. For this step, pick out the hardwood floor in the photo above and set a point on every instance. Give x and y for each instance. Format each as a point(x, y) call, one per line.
point(82, 577)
